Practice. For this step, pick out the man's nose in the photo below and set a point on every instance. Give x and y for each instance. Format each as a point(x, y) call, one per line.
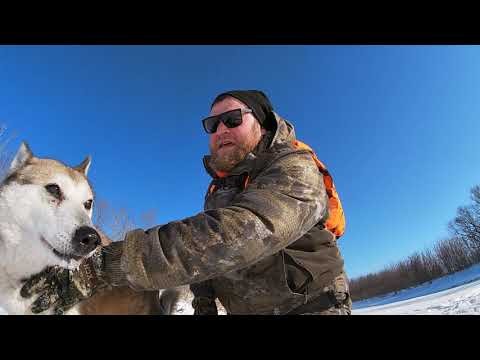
point(221, 128)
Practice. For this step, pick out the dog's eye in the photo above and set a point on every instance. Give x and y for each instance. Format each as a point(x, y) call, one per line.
point(88, 204)
point(54, 190)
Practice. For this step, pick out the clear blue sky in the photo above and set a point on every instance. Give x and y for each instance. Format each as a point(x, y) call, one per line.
point(397, 126)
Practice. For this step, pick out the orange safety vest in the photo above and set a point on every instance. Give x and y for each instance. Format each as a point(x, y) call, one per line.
point(336, 217)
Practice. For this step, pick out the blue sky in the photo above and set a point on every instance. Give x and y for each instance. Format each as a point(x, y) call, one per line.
point(396, 125)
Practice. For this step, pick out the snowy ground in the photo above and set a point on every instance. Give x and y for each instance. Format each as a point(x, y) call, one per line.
point(184, 306)
point(462, 300)
point(455, 294)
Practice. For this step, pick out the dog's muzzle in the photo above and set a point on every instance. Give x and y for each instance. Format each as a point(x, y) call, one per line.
point(85, 240)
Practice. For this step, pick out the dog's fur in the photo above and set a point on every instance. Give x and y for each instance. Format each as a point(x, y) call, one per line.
point(37, 230)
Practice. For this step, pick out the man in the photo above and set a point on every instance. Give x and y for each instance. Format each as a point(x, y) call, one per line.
point(261, 246)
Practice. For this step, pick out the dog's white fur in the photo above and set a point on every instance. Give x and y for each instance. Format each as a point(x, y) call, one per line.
point(29, 213)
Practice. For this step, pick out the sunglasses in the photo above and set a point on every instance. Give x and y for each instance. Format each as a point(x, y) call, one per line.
point(230, 119)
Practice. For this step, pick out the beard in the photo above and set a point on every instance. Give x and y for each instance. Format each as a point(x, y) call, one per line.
point(227, 159)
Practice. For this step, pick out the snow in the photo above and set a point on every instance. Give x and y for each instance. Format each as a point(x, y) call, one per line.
point(457, 293)
point(454, 294)
point(184, 305)
point(462, 300)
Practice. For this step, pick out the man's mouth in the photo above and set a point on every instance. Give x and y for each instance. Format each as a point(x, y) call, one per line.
point(225, 144)
point(62, 256)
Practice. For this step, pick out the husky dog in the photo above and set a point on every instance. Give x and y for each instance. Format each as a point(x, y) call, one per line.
point(45, 220)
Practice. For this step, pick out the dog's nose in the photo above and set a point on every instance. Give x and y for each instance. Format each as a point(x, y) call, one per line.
point(86, 239)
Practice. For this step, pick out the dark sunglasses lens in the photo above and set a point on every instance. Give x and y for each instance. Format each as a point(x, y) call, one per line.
point(233, 119)
point(210, 124)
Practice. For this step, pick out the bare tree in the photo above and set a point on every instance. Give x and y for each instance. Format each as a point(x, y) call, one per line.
point(454, 253)
point(116, 222)
point(100, 214)
point(432, 264)
point(148, 218)
point(6, 156)
point(466, 224)
point(448, 255)
point(112, 221)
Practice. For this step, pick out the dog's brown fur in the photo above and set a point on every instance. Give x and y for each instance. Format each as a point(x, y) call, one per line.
point(124, 300)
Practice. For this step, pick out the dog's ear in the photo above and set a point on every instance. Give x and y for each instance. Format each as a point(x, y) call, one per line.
point(84, 166)
point(21, 158)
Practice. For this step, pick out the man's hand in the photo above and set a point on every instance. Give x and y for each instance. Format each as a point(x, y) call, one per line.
point(62, 288)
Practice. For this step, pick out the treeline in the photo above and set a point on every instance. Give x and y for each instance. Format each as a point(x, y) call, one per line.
point(460, 250)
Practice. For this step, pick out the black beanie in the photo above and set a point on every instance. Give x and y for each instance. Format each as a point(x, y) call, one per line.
point(255, 100)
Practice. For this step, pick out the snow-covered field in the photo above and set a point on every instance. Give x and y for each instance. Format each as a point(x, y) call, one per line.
point(455, 294)
point(458, 293)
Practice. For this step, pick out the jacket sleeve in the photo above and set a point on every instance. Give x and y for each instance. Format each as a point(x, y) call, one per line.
point(279, 206)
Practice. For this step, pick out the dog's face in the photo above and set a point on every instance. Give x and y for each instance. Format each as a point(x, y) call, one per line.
point(53, 203)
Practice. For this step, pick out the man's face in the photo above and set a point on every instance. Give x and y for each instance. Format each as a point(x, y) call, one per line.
point(230, 146)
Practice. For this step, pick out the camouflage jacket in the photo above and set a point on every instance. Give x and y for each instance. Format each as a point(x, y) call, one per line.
point(260, 249)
